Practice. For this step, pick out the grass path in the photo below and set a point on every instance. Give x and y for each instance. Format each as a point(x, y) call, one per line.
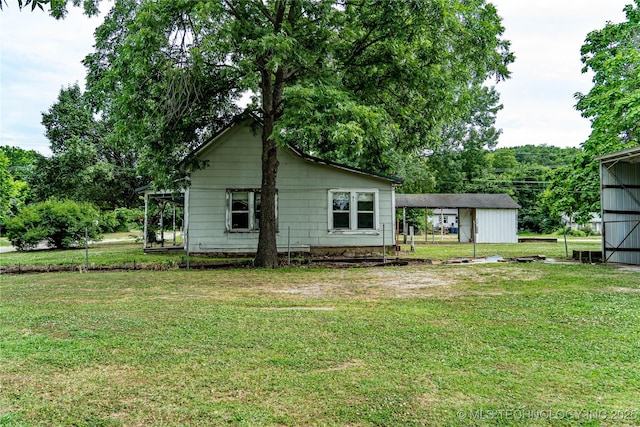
point(494, 344)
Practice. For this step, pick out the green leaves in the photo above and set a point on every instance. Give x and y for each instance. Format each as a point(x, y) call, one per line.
point(355, 79)
point(612, 105)
point(59, 223)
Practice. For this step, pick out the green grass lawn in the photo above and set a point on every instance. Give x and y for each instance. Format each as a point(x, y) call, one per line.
point(115, 249)
point(490, 344)
point(447, 249)
point(122, 248)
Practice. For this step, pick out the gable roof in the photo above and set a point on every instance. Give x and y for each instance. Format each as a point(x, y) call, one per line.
point(247, 117)
point(456, 201)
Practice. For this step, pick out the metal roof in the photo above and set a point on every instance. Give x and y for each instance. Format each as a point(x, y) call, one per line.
point(456, 201)
point(627, 155)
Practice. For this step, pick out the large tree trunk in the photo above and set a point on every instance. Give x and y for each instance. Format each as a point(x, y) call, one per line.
point(272, 85)
point(267, 254)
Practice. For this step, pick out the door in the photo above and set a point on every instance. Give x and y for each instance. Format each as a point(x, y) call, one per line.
point(465, 225)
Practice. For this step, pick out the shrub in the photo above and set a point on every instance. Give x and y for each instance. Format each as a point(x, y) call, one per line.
point(577, 233)
point(58, 223)
point(573, 233)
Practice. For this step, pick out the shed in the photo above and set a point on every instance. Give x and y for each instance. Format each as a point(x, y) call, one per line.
point(620, 205)
point(322, 207)
point(491, 218)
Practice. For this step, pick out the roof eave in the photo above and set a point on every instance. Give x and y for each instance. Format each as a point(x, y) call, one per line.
point(627, 154)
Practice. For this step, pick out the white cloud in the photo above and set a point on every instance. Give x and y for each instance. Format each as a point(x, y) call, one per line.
point(546, 38)
point(38, 56)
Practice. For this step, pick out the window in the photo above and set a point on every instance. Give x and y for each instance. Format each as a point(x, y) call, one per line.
point(341, 215)
point(366, 213)
point(353, 210)
point(243, 210)
point(240, 211)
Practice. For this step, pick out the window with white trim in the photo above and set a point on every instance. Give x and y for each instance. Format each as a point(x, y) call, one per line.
point(243, 210)
point(353, 210)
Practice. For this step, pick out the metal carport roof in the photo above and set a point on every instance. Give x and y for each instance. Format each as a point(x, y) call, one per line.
point(456, 201)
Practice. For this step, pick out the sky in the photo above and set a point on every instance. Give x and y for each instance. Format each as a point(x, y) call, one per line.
point(39, 56)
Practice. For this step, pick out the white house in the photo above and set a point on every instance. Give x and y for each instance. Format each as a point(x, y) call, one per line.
point(487, 218)
point(443, 219)
point(595, 223)
point(322, 207)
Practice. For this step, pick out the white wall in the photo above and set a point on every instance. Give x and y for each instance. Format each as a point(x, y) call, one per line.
point(234, 162)
point(497, 225)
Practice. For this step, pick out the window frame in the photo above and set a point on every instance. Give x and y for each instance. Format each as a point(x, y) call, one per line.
point(353, 211)
point(253, 222)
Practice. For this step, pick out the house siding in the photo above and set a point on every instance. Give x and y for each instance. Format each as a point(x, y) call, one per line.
point(235, 162)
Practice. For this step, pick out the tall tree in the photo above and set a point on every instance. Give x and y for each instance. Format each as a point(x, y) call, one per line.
point(7, 188)
point(15, 166)
point(378, 67)
point(87, 158)
point(354, 80)
point(612, 54)
point(462, 157)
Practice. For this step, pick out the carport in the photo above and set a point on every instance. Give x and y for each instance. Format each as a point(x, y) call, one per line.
point(620, 204)
point(483, 218)
point(161, 198)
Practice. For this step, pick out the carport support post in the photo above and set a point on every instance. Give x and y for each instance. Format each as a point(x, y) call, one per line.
point(404, 225)
point(413, 245)
point(174, 224)
point(475, 232)
point(426, 226)
point(163, 205)
point(146, 214)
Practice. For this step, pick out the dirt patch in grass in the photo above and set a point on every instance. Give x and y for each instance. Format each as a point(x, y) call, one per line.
point(409, 282)
point(346, 365)
point(376, 282)
point(625, 290)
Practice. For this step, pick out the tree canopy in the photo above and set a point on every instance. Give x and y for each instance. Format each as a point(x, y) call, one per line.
point(612, 105)
point(57, 8)
point(353, 81)
point(364, 82)
point(87, 158)
point(612, 54)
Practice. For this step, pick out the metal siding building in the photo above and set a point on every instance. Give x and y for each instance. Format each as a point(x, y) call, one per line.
point(620, 201)
point(494, 217)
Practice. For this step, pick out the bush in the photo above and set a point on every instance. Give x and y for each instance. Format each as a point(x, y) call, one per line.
point(572, 233)
point(58, 223)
